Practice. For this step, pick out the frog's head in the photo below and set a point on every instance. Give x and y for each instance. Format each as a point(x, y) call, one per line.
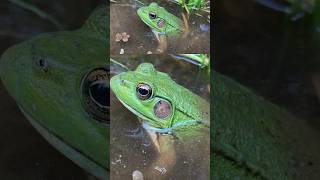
point(159, 19)
point(47, 72)
point(149, 94)
point(58, 81)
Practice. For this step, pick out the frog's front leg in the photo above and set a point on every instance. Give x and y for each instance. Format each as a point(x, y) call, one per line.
point(162, 41)
point(166, 158)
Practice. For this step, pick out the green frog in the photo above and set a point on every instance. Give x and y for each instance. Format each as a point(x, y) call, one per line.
point(58, 80)
point(164, 107)
point(162, 23)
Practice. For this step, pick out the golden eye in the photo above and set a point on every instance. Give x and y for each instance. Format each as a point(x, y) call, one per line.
point(144, 91)
point(152, 15)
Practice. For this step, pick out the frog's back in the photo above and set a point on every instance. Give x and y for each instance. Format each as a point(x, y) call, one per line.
point(247, 140)
point(174, 24)
point(97, 24)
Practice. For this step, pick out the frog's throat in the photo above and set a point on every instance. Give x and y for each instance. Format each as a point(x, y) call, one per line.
point(159, 130)
point(169, 130)
point(68, 150)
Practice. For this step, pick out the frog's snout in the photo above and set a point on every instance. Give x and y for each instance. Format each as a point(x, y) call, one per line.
point(140, 11)
point(118, 83)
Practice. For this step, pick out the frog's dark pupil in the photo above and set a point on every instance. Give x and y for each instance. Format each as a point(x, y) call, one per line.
point(100, 93)
point(143, 91)
point(153, 15)
point(95, 94)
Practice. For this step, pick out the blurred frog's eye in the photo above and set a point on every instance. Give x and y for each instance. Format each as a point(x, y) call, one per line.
point(95, 94)
point(144, 91)
point(152, 15)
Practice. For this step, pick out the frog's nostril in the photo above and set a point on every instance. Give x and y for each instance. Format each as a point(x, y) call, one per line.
point(43, 64)
point(122, 82)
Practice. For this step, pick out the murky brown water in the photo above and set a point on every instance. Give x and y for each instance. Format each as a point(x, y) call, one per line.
point(136, 151)
point(124, 18)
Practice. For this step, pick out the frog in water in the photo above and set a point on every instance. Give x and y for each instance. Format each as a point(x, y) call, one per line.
point(58, 80)
point(162, 23)
point(164, 107)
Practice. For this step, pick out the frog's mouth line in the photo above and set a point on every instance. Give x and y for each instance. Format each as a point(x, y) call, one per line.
point(67, 149)
point(134, 111)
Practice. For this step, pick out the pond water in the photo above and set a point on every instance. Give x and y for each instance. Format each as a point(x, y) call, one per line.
point(124, 18)
point(132, 149)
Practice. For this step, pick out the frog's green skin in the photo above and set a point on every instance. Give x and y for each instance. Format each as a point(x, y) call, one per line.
point(165, 23)
point(189, 111)
point(51, 97)
point(247, 137)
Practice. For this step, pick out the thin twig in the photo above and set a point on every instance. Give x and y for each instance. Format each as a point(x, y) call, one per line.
point(38, 12)
point(122, 65)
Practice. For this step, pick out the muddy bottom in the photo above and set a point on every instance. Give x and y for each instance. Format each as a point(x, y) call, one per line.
point(124, 18)
point(24, 153)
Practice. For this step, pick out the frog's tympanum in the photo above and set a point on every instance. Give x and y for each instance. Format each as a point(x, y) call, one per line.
point(59, 81)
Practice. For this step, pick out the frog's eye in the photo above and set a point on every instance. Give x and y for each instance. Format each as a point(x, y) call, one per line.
point(95, 94)
point(152, 15)
point(144, 91)
point(162, 109)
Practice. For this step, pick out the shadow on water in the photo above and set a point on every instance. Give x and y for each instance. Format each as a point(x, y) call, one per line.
point(131, 146)
point(277, 56)
point(24, 153)
point(124, 18)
